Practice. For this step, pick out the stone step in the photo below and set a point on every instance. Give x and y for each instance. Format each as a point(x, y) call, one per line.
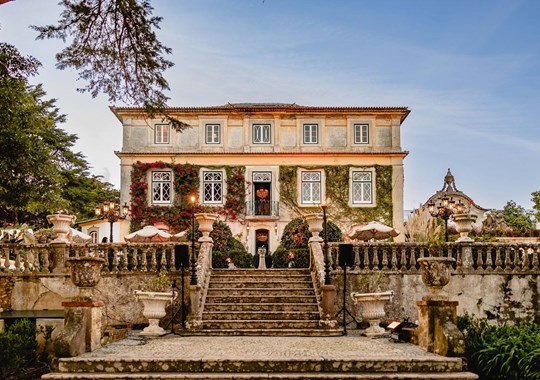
point(261, 272)
point(282, 307)
point(268, 332)
point(261, 315)
point(217, 284)
point(259, 324)
point(262, 292)
point(259, 298)
point(382, 364)
point(261, 376)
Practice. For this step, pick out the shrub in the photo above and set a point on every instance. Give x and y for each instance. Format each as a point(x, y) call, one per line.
point(501, 352)
point(280, 257)
point(296, 234)
point(240, 257)
point(18, 352)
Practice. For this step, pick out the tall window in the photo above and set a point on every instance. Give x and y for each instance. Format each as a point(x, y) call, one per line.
point(161, 134)
point(213, 187)
point(361, 133)
point(161, 187)
point(311, 187)
point(94, 236)
point(362, 187)
point(213, 133)
point(311, 133)
point(261, 133)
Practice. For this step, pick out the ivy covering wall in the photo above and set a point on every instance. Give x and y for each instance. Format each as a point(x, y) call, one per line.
point(337, 191)
point(186, 183)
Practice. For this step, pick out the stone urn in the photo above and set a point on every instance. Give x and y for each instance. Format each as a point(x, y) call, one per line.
point(85, 273)
point(315, 225)
point(154, 308)
point(61, 225)
point(206, 225)
point(436, 273)
point(371, 307)
point(464, 224)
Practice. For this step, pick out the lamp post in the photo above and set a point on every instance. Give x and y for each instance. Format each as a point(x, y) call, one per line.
point(112, 212)
point(445, 208)
point(193, 280)
point(327, 277)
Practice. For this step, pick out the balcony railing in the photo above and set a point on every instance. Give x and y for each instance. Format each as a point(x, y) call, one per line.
point(262, 208)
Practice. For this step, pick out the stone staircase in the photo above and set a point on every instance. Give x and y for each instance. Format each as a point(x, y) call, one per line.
point(262, 302)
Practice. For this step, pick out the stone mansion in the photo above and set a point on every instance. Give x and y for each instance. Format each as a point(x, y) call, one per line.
point(263, 165)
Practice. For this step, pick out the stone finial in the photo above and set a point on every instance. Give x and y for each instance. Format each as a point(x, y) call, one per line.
point(449, 182)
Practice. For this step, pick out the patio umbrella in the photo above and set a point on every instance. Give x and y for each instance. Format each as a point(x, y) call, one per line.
point(79, 237)
point(181, 236)
point(372, 230)
point(148, 234)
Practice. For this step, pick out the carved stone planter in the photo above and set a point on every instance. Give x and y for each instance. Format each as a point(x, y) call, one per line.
point(154, 304)
point(464, 224)
point(371, 307)
point(85, 273)
point(61, 224)
point(436, 273)
point(206, 225)
point(315, 225)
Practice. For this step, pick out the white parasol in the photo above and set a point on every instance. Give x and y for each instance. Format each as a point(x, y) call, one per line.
point(181, 236)
point(148, 234)
point(372, 230)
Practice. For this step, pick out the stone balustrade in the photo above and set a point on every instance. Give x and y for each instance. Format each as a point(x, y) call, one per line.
point(470, 257)
point(121, 258)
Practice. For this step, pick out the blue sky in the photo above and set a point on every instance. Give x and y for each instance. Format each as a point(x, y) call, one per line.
point(468, 70)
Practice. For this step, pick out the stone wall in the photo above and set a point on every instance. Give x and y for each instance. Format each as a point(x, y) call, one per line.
point(509, 298)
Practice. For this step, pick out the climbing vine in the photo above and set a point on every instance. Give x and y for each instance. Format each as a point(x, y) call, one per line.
point(185, 183)
point(337, 191)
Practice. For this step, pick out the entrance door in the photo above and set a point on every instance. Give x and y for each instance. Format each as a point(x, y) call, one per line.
point(262, 193)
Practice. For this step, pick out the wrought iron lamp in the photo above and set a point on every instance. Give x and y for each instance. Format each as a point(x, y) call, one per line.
point(444, 208)
point(327, 276)
point(193, 280)
point(112, 212)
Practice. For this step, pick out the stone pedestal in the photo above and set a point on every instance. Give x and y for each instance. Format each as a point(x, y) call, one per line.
point(82, 328)
point(437, 331)
point(60, 253)
point(194, 316)
point(328, 302)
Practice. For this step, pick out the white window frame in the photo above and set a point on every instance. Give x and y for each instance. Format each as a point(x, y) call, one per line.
point(161, 184)
point(362, 203)
point(310, 133)
point(160, 136)
point(214, 184)
point(301, 188)
point(264, 138)
point(363, 140)
point(215, 132)
point(202, 186)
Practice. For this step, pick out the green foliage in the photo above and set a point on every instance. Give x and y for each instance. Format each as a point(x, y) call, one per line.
point(296, 234)
point(240, 257)
point(159, 283)
point(39, 174)
point(18, 351)
point(517, 217)
point(501, 352)
point(337, 190)
point(536, 204)
point(283, 256)
point(114, 47)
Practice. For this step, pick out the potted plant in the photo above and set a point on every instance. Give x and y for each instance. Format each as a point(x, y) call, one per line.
point(156, 293)
point(436, 268)
point(370, 301)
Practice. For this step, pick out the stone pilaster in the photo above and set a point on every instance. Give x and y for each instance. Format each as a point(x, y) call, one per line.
point(82, 328)
point(437, 331)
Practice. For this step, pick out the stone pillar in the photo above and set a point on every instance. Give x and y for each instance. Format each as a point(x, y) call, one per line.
point(465, 259)
point(397, 200)
point(194, 318)
point(82, 328)
point(328, 302)
point(437, 331)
